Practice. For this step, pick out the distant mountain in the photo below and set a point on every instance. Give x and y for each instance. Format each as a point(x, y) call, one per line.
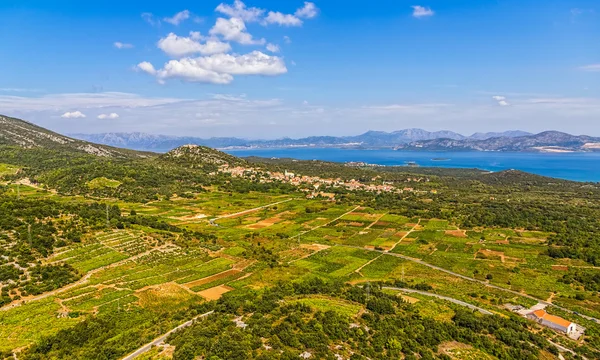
point(548, 141)
point(16, 132)
point(489, 135)
point(370, 139)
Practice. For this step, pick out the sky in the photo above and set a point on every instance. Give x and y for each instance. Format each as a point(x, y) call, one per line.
point(270, 69)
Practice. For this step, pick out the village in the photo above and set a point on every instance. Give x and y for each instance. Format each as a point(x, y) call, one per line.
point(314, 185)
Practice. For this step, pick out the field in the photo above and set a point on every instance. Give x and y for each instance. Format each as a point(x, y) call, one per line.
point(256, 240)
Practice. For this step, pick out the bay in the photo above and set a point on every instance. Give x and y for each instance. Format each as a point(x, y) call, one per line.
point(569, 166)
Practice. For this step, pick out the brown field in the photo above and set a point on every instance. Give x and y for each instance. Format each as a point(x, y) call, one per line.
point(315, 247)
point(211, 278)
point(356, 224)
point(456, 233)
point(401, 234)
point(560, 267)
point(383, 223)
point(215, 293)
point(502, 242)
point(268, 222)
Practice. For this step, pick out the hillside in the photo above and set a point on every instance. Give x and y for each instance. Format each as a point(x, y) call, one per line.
point(16, 132)
point(198, 156)
point(548, 141)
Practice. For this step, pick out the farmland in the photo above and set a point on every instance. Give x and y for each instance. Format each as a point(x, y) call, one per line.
point(127, 263)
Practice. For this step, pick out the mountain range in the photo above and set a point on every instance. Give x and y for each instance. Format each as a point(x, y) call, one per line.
point(548, 141)
point(370, 140)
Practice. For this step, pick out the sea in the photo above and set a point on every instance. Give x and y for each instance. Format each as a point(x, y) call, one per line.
point(583, 167)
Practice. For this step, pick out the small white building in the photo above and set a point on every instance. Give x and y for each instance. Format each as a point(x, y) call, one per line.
point(553, 322)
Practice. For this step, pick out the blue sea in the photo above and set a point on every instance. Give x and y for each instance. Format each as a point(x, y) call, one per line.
point(570, 166)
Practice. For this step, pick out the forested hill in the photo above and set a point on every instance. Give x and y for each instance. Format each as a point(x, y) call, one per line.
point(16, 132)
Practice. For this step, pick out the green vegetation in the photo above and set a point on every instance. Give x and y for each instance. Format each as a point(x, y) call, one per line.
point(100, 255)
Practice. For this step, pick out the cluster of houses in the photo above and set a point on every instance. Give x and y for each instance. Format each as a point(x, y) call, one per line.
point(314, 182)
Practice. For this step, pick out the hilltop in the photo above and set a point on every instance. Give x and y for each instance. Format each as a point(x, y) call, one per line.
point(17, 132)
point(196, 155)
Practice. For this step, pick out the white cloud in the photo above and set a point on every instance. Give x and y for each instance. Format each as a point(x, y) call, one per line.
point(120, 45)
point(593, 67)
point(178, 46)
point(108, 116)
point(240, 11)
point(55, 102)
point(195, 35)
point(191, 70)
point(501, 100)
point(146, 67)
point(282, 19)
point(234, 29)
point(287, 39)
point(235, 115)
point(73, 115)
point(308, 11)
point(421, 11)
point(178, 18)
point(150, 19)
point(220, 68)
point(272, 48)
point(254, 63)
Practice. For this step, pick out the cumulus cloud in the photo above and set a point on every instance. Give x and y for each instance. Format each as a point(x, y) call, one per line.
point(178, 18)
point(120, 45)
point(287, 39)
point(272, 48)
point(308, 11)
point(178, 46)
point(146, 67)
point(108, 116)
point(421, 11)
point(240, 11)
point(234, 29)
point(282, 19)
point(593, 67)
point(73, 115)
point(150, 19)
point(191, 70)
point(220, 68)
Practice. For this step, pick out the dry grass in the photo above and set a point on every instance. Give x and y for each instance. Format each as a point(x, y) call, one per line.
point(215, 293)
point(456, 233)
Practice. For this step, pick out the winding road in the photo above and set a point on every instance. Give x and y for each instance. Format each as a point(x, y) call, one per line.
point(454, 301)
point(484, 283)
point(159, 340)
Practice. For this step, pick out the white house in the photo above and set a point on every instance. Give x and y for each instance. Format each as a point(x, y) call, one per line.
point(553, 322)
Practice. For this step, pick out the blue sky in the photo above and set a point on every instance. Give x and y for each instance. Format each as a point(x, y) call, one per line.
point(266, 69)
